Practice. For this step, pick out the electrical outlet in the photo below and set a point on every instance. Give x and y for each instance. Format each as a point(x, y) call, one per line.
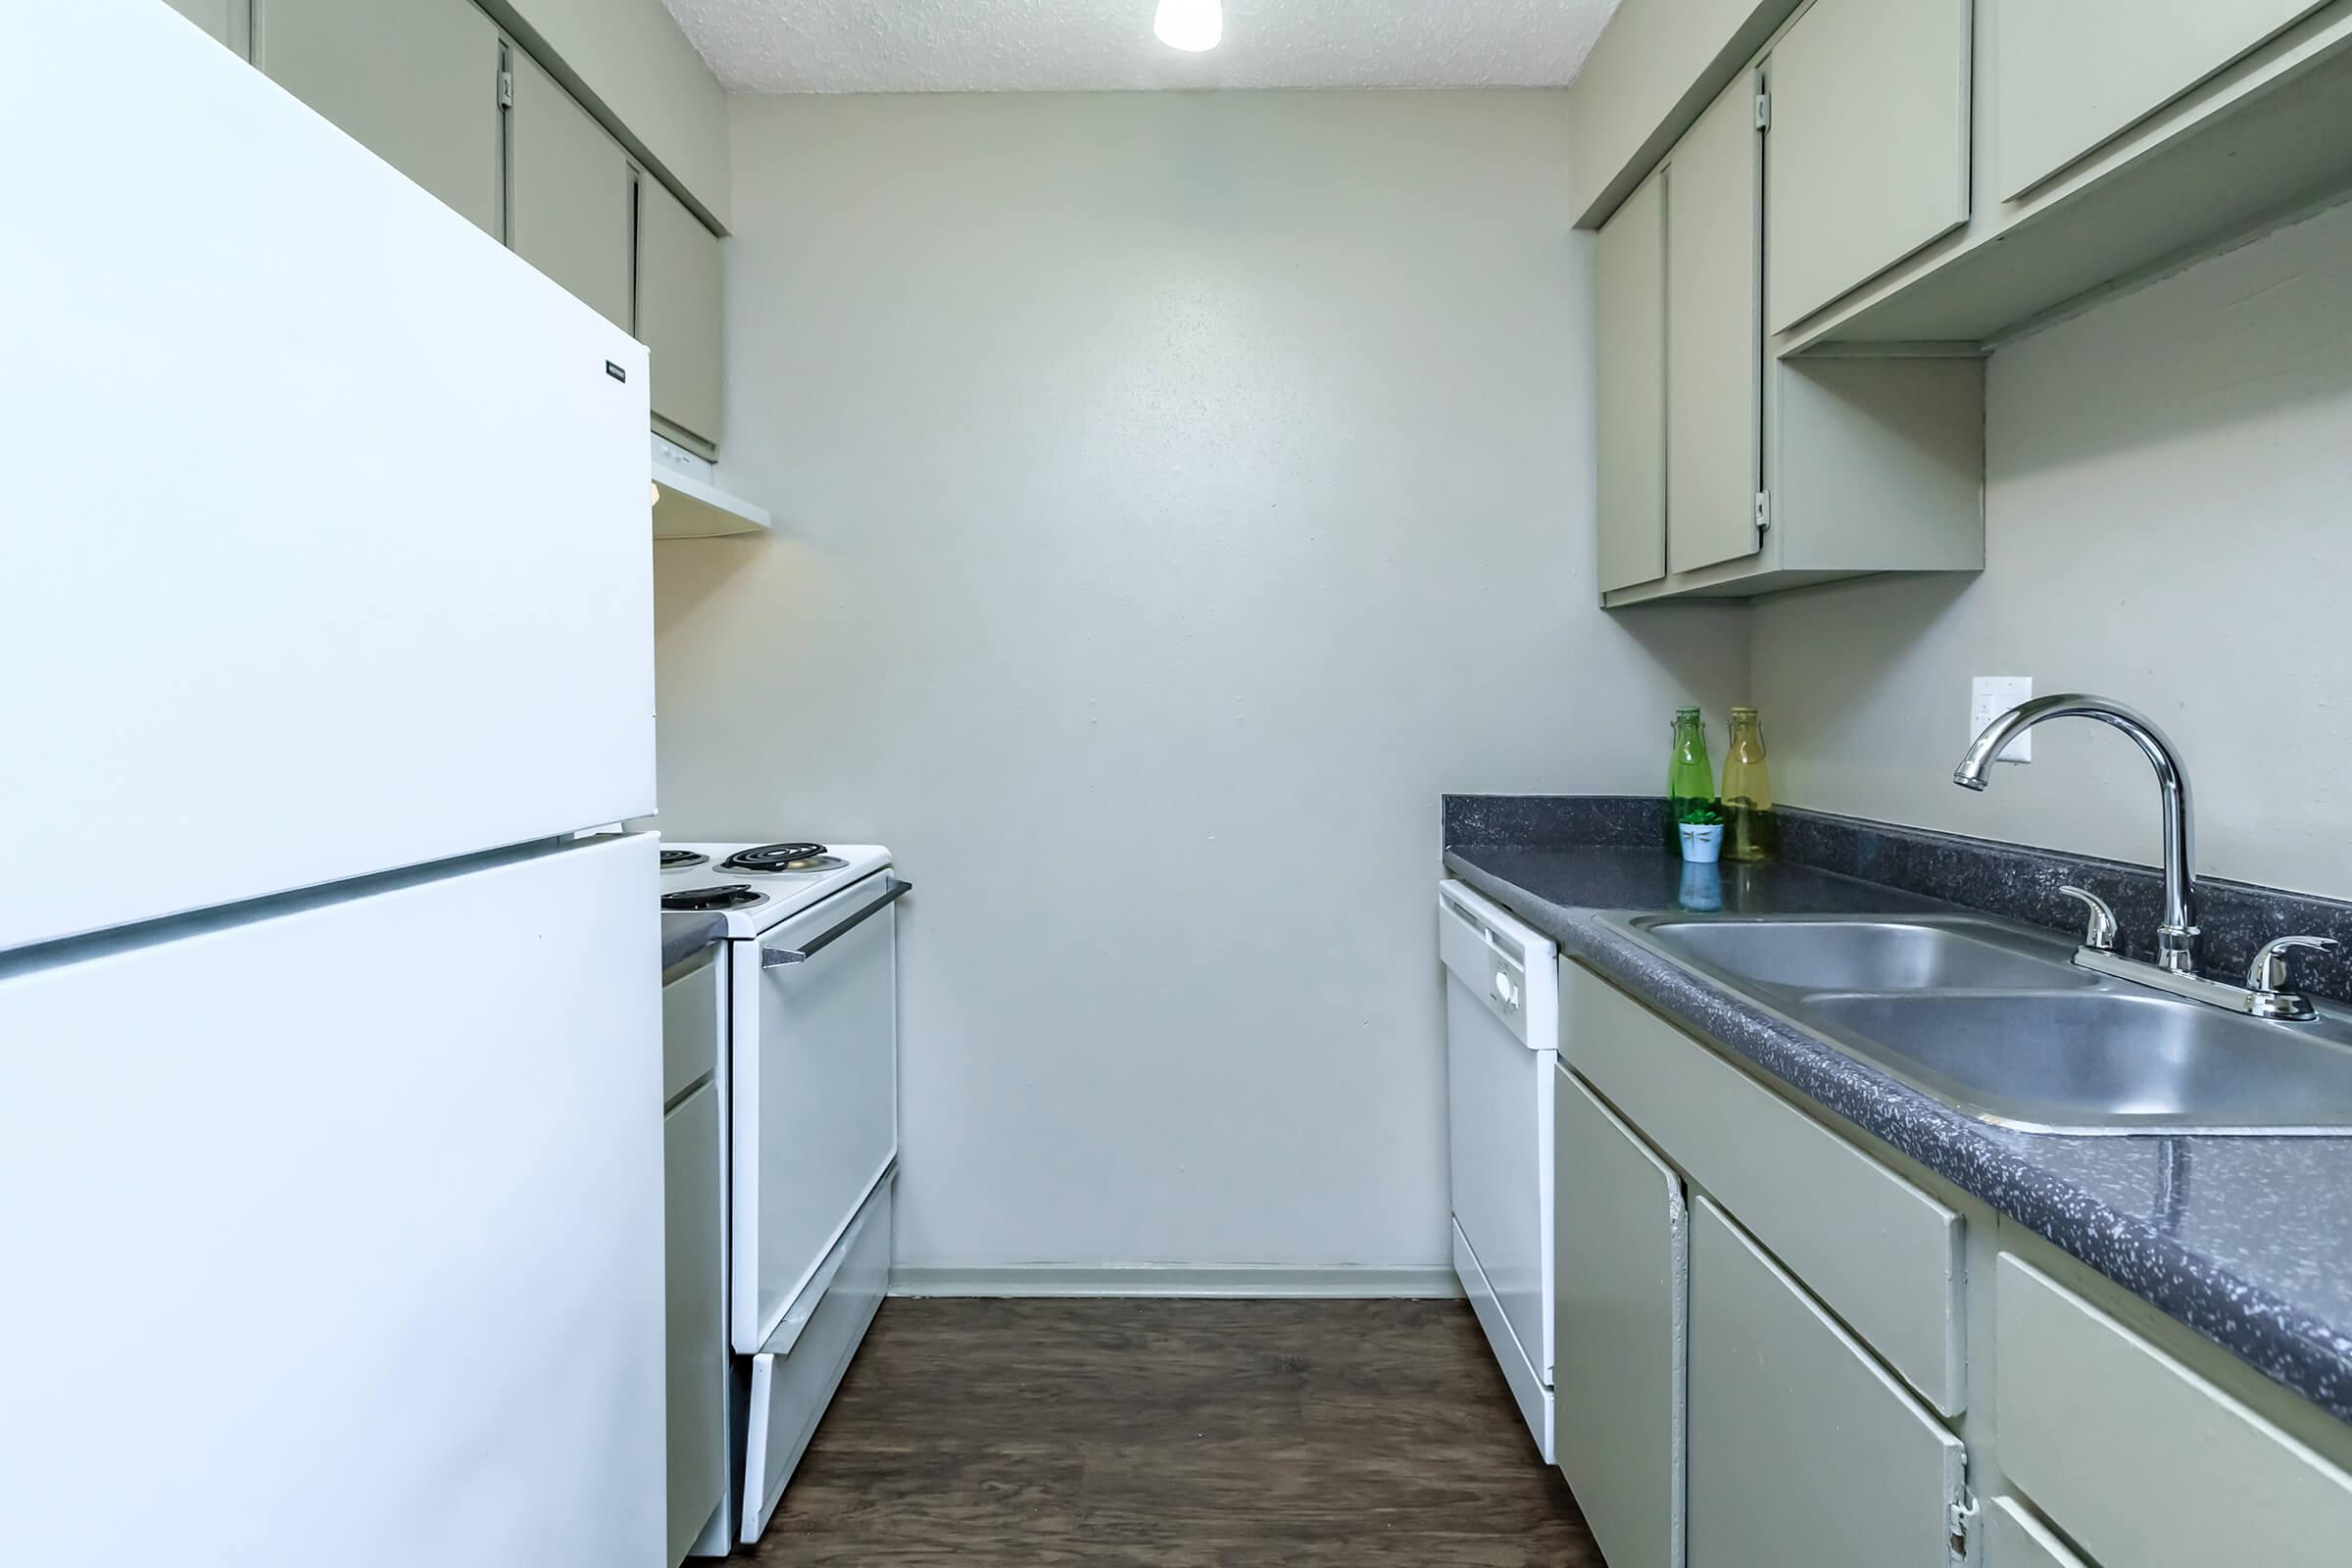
point(1992, 696)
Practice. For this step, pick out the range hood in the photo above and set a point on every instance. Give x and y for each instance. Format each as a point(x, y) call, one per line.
point(688, 502)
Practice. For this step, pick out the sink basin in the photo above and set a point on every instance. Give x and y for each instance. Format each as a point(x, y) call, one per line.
point(2103, 1061)
point(1814, 954)
point(1997, 1023)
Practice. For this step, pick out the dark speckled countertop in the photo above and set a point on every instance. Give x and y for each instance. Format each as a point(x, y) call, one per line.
point(2248, 1240)
point(685, 935)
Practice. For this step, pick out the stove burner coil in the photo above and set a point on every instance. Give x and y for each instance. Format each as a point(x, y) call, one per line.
point(725, 896)
point(774, 858)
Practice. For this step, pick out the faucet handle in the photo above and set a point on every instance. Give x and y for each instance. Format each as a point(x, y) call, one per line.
point(2100, 937)
point(2267, 974)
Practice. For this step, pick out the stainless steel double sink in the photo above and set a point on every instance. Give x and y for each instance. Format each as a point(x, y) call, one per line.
point(1996, 1021)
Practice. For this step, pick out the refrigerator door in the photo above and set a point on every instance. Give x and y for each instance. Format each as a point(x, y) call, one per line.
point(335, 1234)
point(328, 535)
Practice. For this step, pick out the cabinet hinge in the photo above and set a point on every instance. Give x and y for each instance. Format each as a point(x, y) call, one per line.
point(1763, 512)
point(1959, 1516)
point(506, 89)
point(1763, 110)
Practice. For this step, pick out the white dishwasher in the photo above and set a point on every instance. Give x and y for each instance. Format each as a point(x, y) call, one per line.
point(1502, 1037)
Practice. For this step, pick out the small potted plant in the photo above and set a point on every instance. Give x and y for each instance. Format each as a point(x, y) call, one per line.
point(1702, 836)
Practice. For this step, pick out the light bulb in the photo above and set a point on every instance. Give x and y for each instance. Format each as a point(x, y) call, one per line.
point(1188, 24)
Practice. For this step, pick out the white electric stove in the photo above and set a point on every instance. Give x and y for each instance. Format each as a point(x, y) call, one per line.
point(810, 1134)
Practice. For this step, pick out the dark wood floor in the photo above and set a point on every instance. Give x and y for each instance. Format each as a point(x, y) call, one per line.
point(1175, 1432)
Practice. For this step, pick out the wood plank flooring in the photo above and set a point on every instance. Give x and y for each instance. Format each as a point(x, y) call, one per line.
point(1170, 1434)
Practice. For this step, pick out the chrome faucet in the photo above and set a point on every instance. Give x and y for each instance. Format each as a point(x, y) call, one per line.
point(2176, 938)
point(2174, 971)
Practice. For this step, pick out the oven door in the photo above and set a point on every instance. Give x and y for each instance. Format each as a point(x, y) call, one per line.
point(815, 1120)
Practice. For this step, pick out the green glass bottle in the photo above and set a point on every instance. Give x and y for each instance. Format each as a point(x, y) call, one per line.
point(1748, 832)
point(1689, 775)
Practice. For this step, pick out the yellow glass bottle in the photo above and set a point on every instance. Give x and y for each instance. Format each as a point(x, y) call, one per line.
point(1749, 832)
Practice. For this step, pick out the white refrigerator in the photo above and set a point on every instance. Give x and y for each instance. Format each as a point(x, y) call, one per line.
point(330, 1147)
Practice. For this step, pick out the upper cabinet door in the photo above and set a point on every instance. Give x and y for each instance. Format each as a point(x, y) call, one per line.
point(416, 84)
point(569, 204)
point(2072, 72)
point(224, 20)
point(1714, 342)
point(679, 310)
point(1629, 286)
point(1803, 1449)
point(1868, 144)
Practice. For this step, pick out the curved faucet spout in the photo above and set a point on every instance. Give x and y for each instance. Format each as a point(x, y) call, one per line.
point(2176, 938)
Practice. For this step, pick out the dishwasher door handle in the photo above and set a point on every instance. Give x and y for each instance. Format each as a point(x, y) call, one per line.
point(776, 957)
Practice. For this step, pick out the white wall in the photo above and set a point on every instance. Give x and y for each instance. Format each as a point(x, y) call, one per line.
point(2169, 515)
point(1176, 493)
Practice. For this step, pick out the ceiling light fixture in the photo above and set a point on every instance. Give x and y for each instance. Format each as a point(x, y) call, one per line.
point(1190, 25)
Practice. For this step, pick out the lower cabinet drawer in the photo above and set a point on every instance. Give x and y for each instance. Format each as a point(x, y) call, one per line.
point(1803, 1449)
point(693, 999)
point(1884, 1255)
point(2137, 1458)
point(791, 1389)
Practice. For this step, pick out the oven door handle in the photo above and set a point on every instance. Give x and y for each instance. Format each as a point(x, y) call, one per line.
point(776, 957)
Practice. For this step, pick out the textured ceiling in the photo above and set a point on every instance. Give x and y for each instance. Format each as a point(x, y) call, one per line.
point(1088, 45)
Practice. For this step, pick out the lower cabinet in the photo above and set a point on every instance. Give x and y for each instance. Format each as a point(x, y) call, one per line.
point(1759, 1317)
point(692, 1026)
point(1804, 1452)
point(1621, 1235)
point(2014, 1539)
point(698, 1347)
point(2142, 1460)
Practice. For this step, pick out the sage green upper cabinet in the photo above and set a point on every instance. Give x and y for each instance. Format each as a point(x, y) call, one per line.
point(1714, 342)
point(1726, 473)
point(2072, 72)
point(1630, 366)
point(1805, 1452)
point(1868, 151)
point(679, 311)
point(228, 21)
point(569, 204)
point(414, 83)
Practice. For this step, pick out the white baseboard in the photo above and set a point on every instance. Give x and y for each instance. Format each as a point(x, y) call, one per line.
point(1238, 1280)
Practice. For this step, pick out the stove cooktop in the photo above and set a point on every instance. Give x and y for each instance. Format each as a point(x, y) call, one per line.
point(766, 884)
